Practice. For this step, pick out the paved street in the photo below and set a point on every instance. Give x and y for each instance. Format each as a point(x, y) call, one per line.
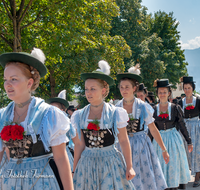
point(189, 186)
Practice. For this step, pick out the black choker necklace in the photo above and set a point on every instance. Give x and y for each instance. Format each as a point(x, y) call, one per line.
point(129, 101)
point(21, 105)
point(97, 105)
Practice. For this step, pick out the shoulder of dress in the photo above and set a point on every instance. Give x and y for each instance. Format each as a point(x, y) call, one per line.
point(118, 103)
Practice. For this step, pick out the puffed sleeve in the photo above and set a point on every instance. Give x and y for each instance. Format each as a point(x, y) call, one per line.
point(72, 131)
point(181, 123)
point(55, 125)
point(123, 117)
point(149, 111)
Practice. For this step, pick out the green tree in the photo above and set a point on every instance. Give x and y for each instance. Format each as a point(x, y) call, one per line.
point(165, 26)
point(74, 36)
point(154, 41)
point(132, 25)
point(151, 65)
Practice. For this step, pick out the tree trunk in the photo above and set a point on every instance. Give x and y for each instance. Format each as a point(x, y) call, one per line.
point(52, 83)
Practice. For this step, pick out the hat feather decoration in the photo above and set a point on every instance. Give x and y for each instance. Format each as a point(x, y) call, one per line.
point(181, 79)
point(62, 94)
point(135, 70)
point(38, 54)
point(104, 67)
point(155, 83)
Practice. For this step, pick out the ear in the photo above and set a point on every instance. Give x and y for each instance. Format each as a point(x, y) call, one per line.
point(134, 88)
point(103, 91)
point(30, 83)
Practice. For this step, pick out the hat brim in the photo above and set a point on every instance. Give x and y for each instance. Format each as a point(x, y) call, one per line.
point(104, 77)
point(151, 95)
point(164, 86)
point(59, 100)
point(130, 76)
point(23, 58)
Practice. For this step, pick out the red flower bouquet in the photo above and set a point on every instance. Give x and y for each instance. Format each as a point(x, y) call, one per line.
point(164, 115)
point(12, 132)
point(189, 107)
point(94, 125)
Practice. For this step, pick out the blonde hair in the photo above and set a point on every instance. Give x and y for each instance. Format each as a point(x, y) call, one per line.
point(27, 71)
point(105, 85)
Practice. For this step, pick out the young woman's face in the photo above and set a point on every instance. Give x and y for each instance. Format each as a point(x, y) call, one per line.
point(163, 94)
point(126, 89)
point(141, 96)
point(188, 90)
point(94, 92)
point(16, 84)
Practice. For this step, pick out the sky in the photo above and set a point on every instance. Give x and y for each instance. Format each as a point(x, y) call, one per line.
point(186, 12)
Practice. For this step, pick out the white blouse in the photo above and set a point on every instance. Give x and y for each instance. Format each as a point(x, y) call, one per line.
point(55, 122)
point(122, 122)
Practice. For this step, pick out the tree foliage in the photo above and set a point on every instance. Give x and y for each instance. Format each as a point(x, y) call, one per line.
point(154, 41)
point(165, 26)
point(74, 36)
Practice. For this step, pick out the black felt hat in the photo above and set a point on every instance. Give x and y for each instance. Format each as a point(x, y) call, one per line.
point(150, 94)
point(142, 87)
point(188, 79)
point(102, 73)
point(159, 83)
point(29, 59)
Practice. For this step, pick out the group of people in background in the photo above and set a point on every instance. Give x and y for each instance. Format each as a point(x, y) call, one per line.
point(137, 144)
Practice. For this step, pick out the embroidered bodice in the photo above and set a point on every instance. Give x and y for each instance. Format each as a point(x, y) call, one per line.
point(133, 126)
point(25, 148)
point(101, 138)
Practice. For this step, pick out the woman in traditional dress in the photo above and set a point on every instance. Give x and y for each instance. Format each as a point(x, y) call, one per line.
point(98, 165)
point(167, 115)
point(61, 103)
point(145, 161)
point(191, 109)
point(151, 98)
point(33, 131)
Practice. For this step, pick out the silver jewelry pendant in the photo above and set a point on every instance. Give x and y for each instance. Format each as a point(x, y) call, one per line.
point(21, 150)
point(28, 142)
point(19, 161)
